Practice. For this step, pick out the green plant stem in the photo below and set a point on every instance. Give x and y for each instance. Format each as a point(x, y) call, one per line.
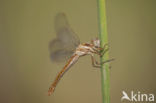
point(104, 39)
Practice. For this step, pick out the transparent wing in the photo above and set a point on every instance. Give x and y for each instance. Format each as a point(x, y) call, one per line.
point(66, 40)
point(64, 32)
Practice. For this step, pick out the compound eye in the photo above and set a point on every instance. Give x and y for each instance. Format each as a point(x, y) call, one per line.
point(97, 43)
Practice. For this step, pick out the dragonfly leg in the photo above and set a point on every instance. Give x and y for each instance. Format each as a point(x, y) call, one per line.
point(101, 51)
point(94, 62)
point(104, 49)
point(106, 61)
point(97, 64)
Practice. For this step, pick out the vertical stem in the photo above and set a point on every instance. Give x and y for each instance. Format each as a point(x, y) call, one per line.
point(104, 39)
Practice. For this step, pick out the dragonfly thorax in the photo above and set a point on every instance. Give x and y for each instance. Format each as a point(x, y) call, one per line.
point(84, 49)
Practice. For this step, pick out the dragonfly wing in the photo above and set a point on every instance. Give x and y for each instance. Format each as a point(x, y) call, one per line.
point(58, 52)
point(66, 41)
point(64, 31)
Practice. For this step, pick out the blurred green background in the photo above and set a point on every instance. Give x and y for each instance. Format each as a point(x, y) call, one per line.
point(26, 71)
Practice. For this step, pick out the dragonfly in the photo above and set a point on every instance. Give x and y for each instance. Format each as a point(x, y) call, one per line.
point(67, 47)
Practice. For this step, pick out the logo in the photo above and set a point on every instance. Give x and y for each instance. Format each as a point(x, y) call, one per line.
point(137, 96)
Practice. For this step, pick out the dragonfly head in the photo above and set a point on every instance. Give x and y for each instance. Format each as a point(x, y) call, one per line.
point(96, 42)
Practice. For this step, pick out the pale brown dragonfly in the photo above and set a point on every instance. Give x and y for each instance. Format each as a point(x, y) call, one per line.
point(66, 46)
